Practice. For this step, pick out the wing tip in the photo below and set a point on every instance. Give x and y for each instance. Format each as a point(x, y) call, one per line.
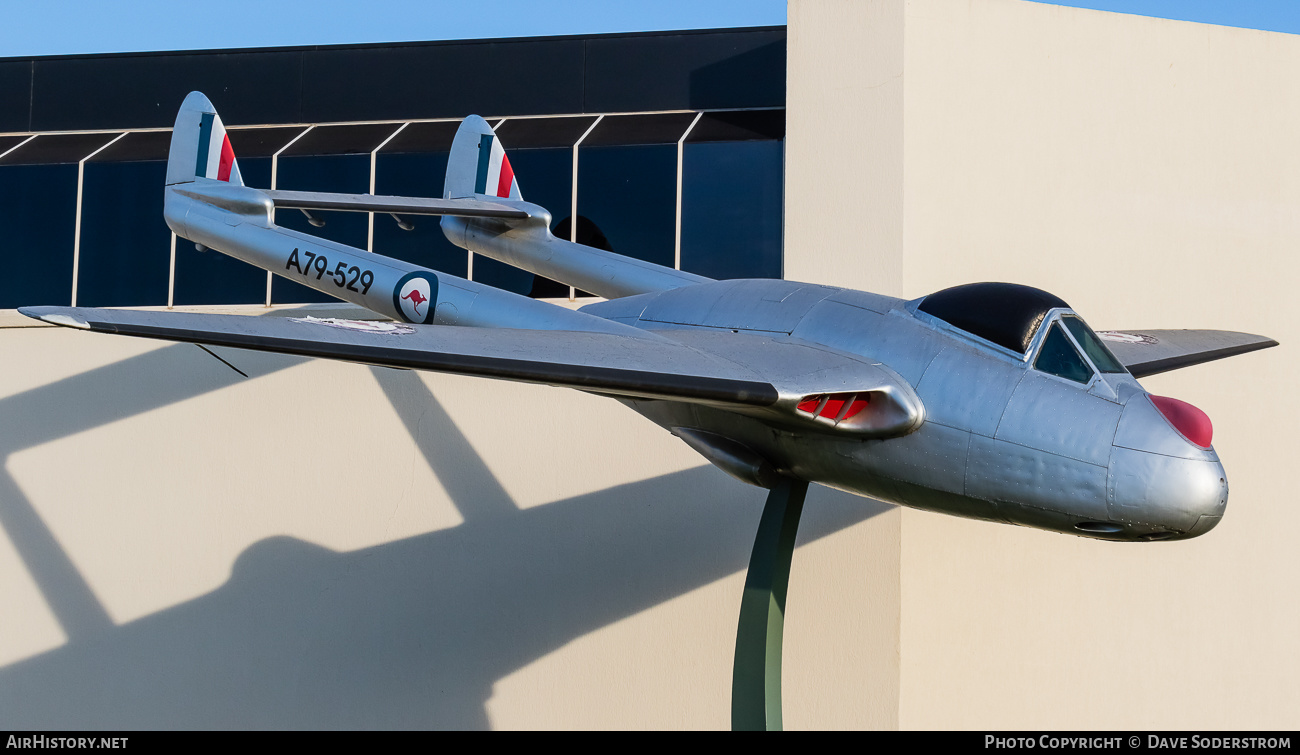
point(1156, 366)
point(55, 316)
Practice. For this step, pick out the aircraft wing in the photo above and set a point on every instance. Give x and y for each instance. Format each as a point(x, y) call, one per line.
point(633, 366)
point(320, 200)
point(1150, 352)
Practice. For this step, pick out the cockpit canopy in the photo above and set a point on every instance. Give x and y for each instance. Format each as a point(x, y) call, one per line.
point(1007, 314)
point(1010, 315)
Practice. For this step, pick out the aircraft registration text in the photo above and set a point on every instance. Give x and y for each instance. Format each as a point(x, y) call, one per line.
point(342, 275)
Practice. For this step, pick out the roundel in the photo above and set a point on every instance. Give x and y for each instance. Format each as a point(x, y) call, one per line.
point(416, 296)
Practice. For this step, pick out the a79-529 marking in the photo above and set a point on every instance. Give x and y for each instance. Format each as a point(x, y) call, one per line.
point(343, 276)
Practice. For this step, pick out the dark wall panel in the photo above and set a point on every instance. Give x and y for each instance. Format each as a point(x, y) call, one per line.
point(38, 205)
point(144, 91)
point(15, 94)
point(686, 71)
point(260, 142)
point(424, 137)
point(739, 125)
point(523, 133)
point(356, 139)
point(213, 278)
point(135, 146)
point(732, 209)
point(443, 80)
point(47, 149)
point(656, 128)
point(125, 244)
point(616, 73)
point(630, 193)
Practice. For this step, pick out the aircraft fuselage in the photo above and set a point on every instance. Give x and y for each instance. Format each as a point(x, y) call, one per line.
point(1000, 440)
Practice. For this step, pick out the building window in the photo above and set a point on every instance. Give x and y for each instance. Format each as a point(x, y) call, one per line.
point(732, 209)
point(38, 205)
point(125, 243)
point(627, 201)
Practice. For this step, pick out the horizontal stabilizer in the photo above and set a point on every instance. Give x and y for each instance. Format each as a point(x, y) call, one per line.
point(1150, 352)
point(631, 366)
point(479, 169)
point(467, 208)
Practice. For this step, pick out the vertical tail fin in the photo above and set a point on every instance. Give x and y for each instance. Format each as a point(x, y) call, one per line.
point(478, 164)
point(200, 147)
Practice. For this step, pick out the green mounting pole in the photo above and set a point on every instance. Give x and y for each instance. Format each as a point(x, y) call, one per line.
point(756, 674)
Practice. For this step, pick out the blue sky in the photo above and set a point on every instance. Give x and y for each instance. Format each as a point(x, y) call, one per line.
point(1271, 15)
point(52, 27)
point(57, 27)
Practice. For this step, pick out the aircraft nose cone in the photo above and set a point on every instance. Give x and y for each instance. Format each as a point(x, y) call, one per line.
point(1178, 495)
point(1158, 477)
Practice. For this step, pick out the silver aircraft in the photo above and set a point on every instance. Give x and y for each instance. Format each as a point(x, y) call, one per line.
point(991, 400)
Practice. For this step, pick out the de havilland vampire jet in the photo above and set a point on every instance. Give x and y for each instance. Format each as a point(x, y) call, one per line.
point(989, 400)
point(993, 401)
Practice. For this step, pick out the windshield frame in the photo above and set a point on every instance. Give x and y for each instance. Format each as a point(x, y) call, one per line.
point(1055, 317)
point(1097, 339)
point(1054, 323)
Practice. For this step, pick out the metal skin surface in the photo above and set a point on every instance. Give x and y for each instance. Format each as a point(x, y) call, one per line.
point(1151, 352)
point(1001, 440)
point(952, 423)
point(236, 220)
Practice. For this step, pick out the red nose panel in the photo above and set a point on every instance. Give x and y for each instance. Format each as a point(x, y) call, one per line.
point(1186, 419)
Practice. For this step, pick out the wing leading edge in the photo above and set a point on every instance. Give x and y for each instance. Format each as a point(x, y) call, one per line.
point(320, 200)
point(1151, 352)
point(626, 366)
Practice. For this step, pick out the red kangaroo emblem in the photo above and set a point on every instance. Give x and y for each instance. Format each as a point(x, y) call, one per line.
point(417, 299)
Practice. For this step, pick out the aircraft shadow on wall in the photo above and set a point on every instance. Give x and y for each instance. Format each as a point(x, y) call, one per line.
point(409, 634)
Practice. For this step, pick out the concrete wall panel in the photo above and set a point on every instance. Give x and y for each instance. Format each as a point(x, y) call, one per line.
point(844, 227)
point(1144, 170)
point(844, 144)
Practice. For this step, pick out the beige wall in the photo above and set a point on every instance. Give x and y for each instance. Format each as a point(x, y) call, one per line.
point(844, 225)
point(329, 545)
point(1145, 170)
point(324, 544)
point(844, 144)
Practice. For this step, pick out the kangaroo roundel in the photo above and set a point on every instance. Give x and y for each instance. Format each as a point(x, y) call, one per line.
point(416, 296)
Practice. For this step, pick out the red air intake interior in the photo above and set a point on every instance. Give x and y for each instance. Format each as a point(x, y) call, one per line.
point(833, 406)
point(1193, 423)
